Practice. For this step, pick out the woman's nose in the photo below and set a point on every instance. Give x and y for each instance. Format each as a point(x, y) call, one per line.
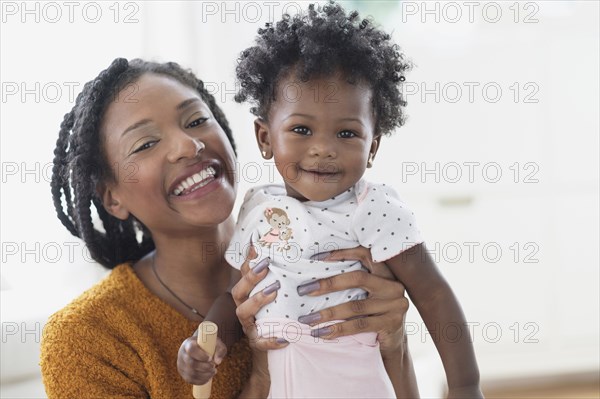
point(184, 146)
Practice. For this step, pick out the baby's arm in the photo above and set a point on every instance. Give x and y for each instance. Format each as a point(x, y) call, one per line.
point(193, 364)
point(222, 312)
point(439, 308)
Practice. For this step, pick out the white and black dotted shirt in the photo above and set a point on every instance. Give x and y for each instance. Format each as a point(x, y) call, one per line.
point(290, 232)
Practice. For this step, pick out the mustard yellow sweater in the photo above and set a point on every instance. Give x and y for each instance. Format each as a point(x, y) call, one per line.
point(118, 340)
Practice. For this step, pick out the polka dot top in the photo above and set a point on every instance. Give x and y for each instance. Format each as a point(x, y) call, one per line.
point(290, 232)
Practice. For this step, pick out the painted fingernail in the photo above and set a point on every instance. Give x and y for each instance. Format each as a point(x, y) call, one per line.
point(320, 332)
point(307, 288)
point(281, 340)
point(320, 256)
point(309, 318)
point(272, 288)
point(262, 265)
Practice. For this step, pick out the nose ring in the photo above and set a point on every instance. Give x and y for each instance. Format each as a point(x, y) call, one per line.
point(199, 146)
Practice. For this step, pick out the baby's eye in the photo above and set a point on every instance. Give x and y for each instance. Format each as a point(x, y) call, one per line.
point(196, 122)
point(346, 134)
point(301, 130)
point(145, 146)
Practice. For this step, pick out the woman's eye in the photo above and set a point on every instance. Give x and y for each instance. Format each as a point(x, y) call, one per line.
point(346, 134)
point(144, 146)
point(196, 122)
point(301, 130)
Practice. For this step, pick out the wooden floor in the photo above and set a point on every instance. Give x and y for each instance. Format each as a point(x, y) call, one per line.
point(580, 391)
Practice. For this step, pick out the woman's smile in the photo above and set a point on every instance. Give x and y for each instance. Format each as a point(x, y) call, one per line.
point(195, 177)
point(198, 184)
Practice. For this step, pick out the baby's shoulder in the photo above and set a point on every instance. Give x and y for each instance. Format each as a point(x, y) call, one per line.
point(264, 193)
point(380, 202)
point(369, 193)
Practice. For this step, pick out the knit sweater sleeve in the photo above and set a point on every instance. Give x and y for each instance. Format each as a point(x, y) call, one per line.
point(81, 360)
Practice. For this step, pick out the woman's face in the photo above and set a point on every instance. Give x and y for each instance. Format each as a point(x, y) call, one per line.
point(172, 162)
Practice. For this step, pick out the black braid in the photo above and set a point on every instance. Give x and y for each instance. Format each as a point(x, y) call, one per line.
point(80, 163)
point(317, 43)
point(60, 183)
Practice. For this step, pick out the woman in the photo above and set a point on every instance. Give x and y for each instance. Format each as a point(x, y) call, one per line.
point(147, 148)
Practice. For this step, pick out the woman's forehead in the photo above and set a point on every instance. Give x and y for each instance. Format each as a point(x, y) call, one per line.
point(154, 87)
point(147, 97)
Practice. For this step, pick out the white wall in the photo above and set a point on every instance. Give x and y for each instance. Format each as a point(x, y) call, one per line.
point(540, 293)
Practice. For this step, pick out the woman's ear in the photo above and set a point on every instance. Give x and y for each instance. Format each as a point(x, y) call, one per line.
point(373, 150)
point(261, 130)
point(111, 202)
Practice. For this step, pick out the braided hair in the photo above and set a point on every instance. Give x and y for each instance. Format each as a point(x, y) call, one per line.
point(80, 163)
point(316, 44)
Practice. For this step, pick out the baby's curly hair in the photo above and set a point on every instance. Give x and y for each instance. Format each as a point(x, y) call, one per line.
point(319, 43)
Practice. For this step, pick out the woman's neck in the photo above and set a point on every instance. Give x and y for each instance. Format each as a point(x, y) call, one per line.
point(192, 266)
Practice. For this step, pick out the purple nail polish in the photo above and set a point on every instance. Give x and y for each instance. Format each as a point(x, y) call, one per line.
point(272, 288)
point(320, 332)
point(281, 340)
point(309, 318)
point(262, 265)
point(308, 288)
point(320, 256)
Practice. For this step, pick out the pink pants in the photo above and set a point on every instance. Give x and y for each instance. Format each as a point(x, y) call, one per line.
point(346, 367)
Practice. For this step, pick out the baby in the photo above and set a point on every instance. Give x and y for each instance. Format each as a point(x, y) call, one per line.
point(326, 88)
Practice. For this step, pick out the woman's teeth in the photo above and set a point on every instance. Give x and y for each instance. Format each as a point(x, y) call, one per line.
point(196, 181)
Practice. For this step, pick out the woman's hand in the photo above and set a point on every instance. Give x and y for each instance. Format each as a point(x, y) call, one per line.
point(385, 305)
point(382, 312)
point(194, 365)
point(247, 307)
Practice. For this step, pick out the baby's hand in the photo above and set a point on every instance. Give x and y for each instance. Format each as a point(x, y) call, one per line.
point(194, 365)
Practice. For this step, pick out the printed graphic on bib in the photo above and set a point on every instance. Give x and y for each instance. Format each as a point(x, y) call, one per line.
point(280, 233)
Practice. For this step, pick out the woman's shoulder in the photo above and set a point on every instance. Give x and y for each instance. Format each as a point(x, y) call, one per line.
point(117, 288)
point(111, 309)
point(118, 307)
point(88, 348)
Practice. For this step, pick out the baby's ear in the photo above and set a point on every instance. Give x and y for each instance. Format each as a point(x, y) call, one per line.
point(375, 145)
point(373, 150)
point(261, 130)
point(111, 202)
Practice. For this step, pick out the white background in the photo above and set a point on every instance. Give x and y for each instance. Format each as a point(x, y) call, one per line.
point(499, 159)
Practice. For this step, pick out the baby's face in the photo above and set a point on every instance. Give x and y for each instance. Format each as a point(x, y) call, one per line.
point(320, 133)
